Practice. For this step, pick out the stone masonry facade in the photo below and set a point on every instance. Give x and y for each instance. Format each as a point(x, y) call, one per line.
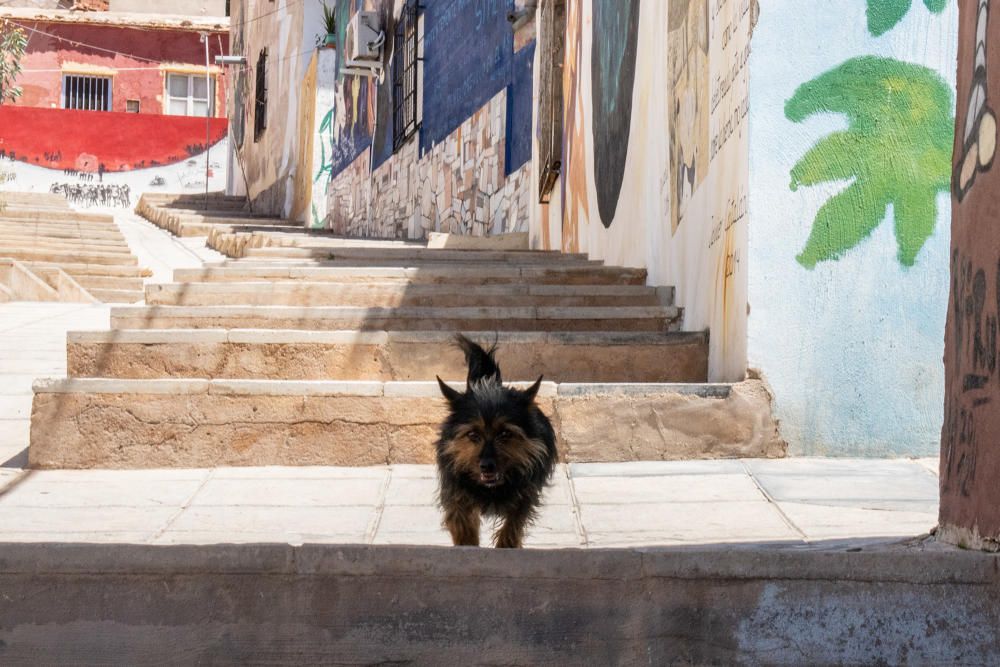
point(458, 186)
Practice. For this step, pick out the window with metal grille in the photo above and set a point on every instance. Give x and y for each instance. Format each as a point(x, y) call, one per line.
point(190, 95)
point(260, 97)
point(87, 93)
point(407, 74)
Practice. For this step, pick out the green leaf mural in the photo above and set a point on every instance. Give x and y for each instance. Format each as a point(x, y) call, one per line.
point(896, 149)
point(883, 15)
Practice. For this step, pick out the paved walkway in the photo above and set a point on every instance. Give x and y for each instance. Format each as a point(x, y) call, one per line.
point(32, 345)
point(790, 503)
point(160, 251)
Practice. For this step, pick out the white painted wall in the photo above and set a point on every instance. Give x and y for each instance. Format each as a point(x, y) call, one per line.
point(852, 348)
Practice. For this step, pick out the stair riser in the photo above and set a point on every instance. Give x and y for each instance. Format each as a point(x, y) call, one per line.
point(389, 361)
point(393, 300)
point(29, 242)
point(430, 276)
point(334, 256)
point(117, 295)
point(381, 323)
point(109, 282)
point(86, 230)
point(117, 259)
point(106, 430)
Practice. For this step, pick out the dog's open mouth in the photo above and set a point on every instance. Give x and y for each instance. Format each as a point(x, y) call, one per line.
point(490, 478)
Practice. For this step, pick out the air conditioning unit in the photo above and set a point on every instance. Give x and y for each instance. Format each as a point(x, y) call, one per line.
point(363, 46)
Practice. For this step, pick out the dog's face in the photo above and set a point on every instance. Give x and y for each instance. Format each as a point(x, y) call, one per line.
point(489, 436)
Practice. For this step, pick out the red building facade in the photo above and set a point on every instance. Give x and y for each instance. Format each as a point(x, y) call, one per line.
point(110, 92)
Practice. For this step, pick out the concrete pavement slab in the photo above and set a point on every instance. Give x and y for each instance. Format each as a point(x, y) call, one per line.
point(690, 522)
point(38, 490)
point(396, 505)
point(279, 522)
point(656, 468)
point(79, 521)
point(825, 522)
point(301, 472)
point(667, 488)
point(866, 484)
point(932, 464)
point(289, 492)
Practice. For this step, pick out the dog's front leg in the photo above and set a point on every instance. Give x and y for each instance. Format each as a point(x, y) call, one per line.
point(463, 524)
point(511, 534)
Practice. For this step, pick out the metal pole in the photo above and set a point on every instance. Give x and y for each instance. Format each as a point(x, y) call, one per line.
point(208, 114)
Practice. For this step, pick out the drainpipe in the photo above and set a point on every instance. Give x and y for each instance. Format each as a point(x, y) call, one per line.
point(209, 99)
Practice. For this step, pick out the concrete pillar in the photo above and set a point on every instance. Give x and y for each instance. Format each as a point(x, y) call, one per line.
point(970, 438)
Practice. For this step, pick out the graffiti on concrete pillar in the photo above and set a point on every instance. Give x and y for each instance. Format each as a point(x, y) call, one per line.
point(979, 134)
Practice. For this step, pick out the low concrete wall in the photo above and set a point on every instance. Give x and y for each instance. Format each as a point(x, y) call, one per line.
point(332, 604)
point(194, 423)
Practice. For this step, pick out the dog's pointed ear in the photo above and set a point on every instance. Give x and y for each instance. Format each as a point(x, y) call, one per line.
point(450, 394)
point(532, 391)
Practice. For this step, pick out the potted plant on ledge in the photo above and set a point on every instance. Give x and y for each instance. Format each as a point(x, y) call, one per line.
point(330, 22)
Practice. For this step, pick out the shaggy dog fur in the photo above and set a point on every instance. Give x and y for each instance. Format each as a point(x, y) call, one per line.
point(495, 455)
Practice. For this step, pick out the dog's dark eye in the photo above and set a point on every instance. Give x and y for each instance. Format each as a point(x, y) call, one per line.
point(474, 437)
point(504, 435)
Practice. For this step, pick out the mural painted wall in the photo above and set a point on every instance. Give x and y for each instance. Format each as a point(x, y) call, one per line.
point(655, 154)
point(97, 158)
point(970, 458)
point(266, 168)
point(850, 160)
point(466, 170)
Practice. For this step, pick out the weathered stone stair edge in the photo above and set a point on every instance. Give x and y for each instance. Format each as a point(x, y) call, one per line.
point(104, 423)
point(415, 312)
point(326, 337)
point(240, 272)
point(365, 388)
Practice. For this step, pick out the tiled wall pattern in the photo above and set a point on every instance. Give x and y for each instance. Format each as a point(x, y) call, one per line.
point(458, 186)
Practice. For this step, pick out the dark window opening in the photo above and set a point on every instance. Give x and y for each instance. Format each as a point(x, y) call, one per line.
point(132, 106)
point(87, 93)
point(407, 60)
point(260, 97)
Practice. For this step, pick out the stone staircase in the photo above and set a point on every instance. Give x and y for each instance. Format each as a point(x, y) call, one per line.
point(331, 360)
point(49, 252)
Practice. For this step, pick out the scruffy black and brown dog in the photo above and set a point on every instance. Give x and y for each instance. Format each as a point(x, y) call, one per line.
point(496, 453)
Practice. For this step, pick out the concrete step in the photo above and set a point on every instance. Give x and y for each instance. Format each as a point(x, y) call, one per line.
point(82, 244)
point(111, 423)
point(69, 257)
point(78, 270)
point(75, 229)
point(120, 295)
point(650, 318)
point(37, 199)
point(395, 256)
point(399, 294)
point(188, 226)
point(435, 274)
point(110, 282)
point(68, 215)
point(384, 356)
point(232, 240)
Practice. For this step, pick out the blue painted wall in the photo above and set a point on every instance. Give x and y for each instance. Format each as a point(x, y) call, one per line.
point(468, 58)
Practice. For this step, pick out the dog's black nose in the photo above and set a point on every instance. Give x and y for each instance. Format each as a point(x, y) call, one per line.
point(487, 466)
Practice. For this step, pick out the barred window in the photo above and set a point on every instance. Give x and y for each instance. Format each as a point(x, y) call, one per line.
point(87, 93)
point(260, 97)
point(407, 74)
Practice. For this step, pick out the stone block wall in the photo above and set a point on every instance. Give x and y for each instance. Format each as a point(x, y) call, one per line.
point(458, 186)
